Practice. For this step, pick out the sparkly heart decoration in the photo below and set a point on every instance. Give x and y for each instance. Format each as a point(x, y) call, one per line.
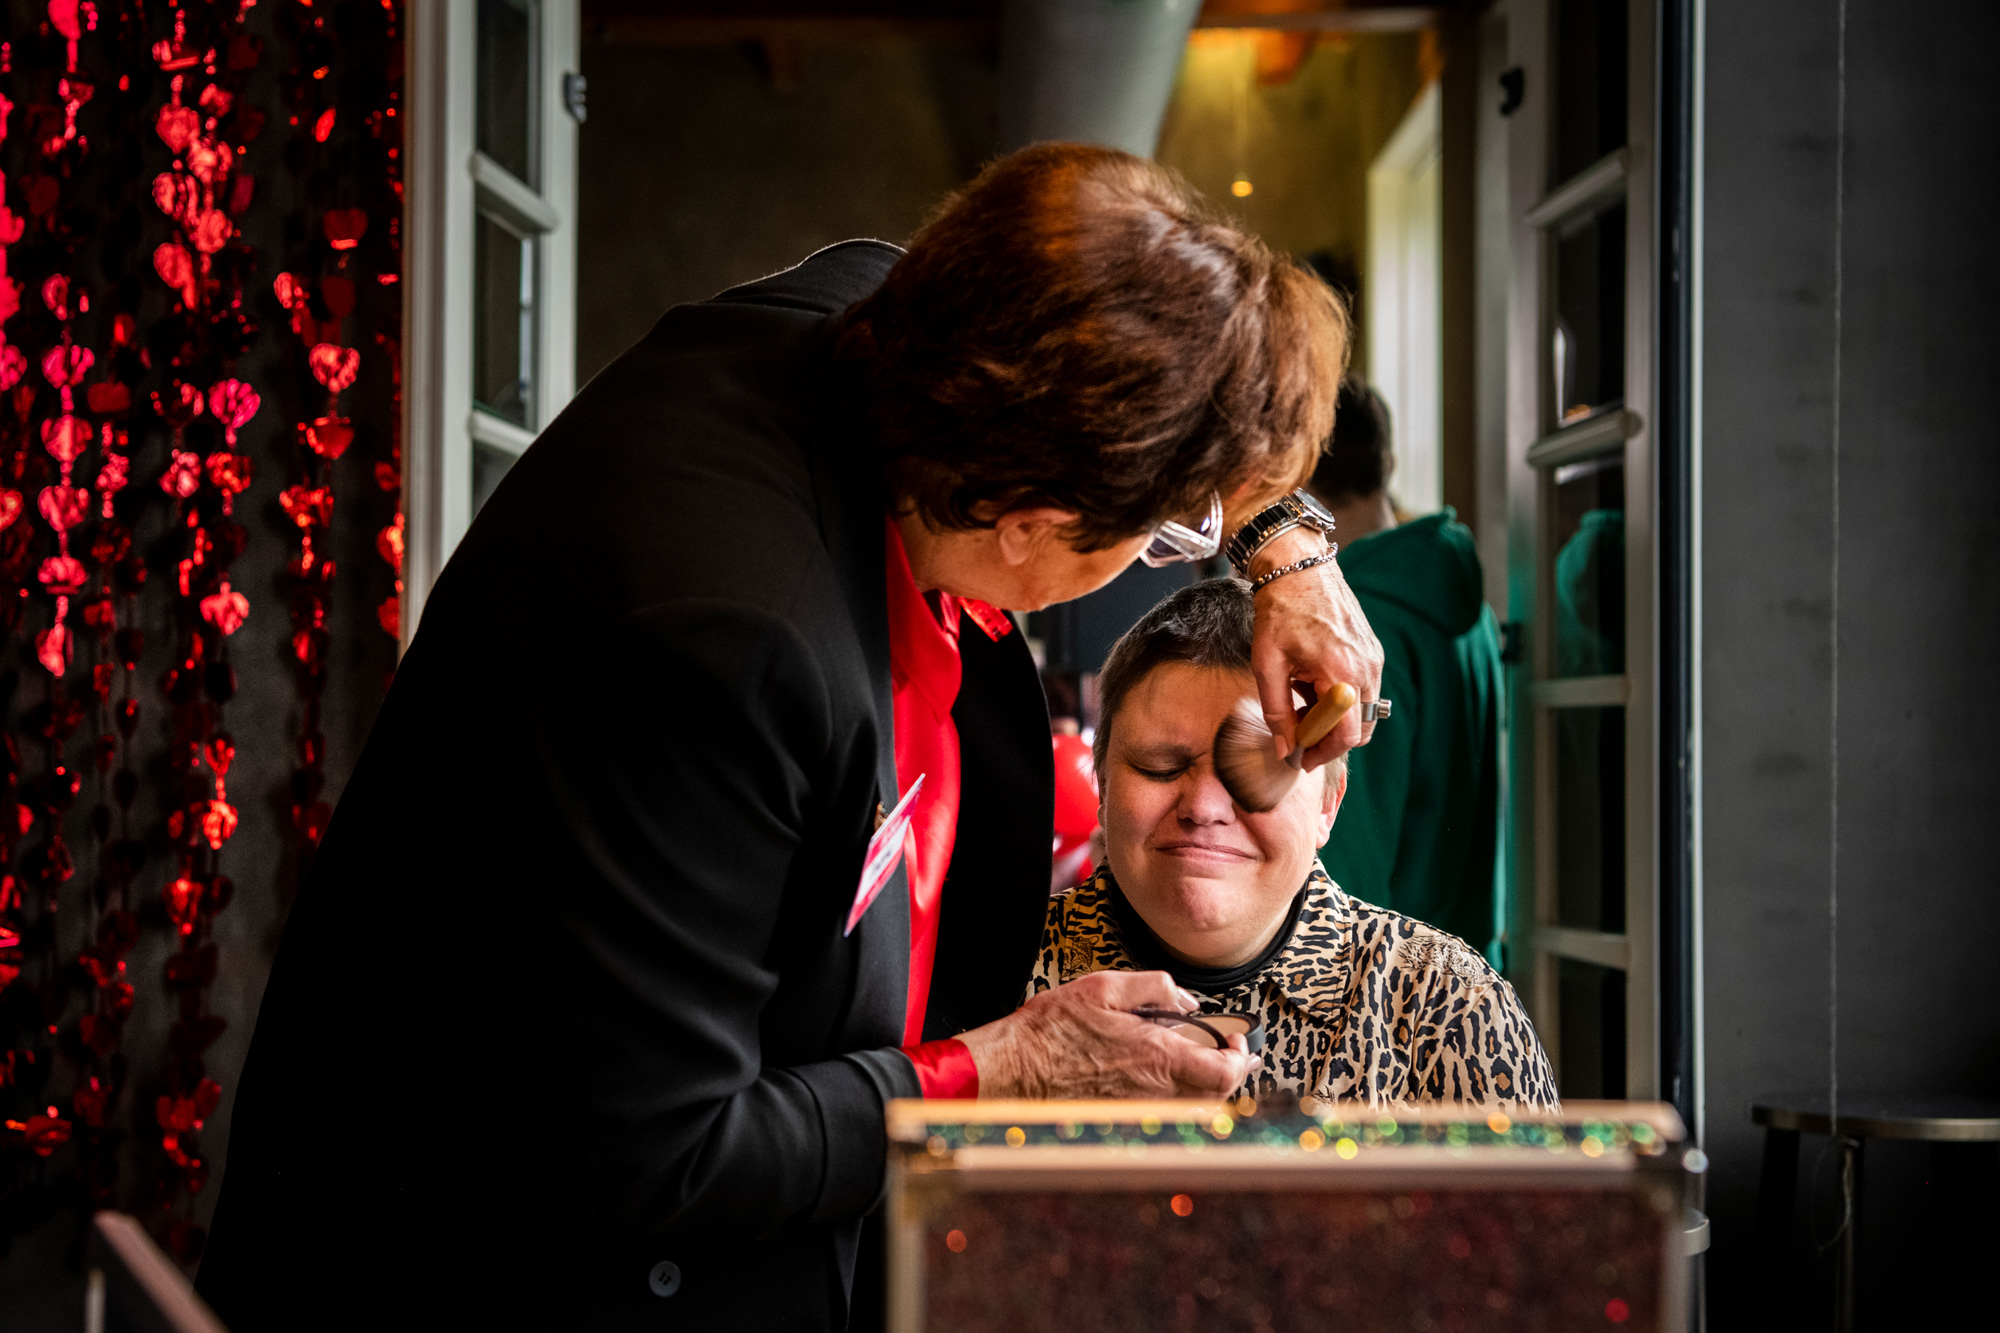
point(63, 506)
point(62, 574)
point(181, 896)
point(308, 506)
point(63, 18)
point(13, 365)
point(221, 752)
point(240, 191)
point(230, 473)
point(12, 225)
point(66, 437)
point(209, 161)
point(181, 406)
point(10, 298)
point(52, 650)
point(109, 399)
point(175, 56)
point(55, 295)
point(329, 436)
point(291, 292)
point(177, 127)
point(335, 367)
point(183, 475)
point(176, 269)
point(344, 227)
point(226, 609)
point(218, 823)
point(176, 194)
point(389, 544)
point(233, 402)
point(64, 365)
point(10, 508)
point(211, 231)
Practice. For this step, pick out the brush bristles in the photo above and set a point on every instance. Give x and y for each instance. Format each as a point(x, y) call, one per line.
point(1246, 761)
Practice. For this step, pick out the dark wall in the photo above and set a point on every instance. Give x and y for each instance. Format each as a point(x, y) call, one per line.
point(706, 166)
point(1918, 635)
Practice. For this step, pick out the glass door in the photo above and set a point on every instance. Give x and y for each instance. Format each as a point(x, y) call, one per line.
point(1580, 505)
point(491, 336)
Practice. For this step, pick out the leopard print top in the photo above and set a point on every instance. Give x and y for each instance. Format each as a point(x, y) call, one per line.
point(1361, 1004)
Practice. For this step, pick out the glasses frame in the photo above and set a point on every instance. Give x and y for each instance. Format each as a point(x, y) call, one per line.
point(1178, 544)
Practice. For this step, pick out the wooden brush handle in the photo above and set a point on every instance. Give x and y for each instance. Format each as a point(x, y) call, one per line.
point(1325, 715)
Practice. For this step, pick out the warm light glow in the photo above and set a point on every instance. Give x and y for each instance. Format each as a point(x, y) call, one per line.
point(1311, 1140)
point(1182, 1205)
point(1346, 1148)
point(955, 1241)
point(1016, 1136)
point(1241, 187)
point(1498, 1122)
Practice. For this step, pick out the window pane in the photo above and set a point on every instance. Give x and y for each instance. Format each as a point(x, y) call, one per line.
point(488, 466)
point(507, 86)
point(1590, 83)
point(1590, 818)
point(1590, 1004)
point(503, 322)
point(1588, 358)
point(1590, 567)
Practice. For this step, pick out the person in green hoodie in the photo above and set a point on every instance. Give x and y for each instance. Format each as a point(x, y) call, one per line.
point(1420, 832)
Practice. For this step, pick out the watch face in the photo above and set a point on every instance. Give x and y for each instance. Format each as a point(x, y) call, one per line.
point(1319, 512)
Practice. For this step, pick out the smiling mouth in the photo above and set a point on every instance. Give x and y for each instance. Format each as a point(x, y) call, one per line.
point(1204, 851)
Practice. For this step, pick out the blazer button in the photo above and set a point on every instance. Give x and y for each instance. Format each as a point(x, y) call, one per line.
point(665, 1279)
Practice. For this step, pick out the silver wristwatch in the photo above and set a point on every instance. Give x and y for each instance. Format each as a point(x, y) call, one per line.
point(1298, 509)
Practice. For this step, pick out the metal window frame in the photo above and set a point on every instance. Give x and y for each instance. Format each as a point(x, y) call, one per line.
point(448, 183)
point(1536, 444)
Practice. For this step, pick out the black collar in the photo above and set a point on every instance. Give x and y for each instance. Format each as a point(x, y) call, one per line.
point(1147, 951)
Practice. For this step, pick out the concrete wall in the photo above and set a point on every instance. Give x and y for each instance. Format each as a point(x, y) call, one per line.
point(1918, 612)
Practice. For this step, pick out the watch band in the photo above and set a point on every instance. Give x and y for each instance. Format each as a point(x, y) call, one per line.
point(1299, 509)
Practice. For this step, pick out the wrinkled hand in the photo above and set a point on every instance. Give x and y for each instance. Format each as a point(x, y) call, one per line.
point(1078, 1040)
point(1310, 628)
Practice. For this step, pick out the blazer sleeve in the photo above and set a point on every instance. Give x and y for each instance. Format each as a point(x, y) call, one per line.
point(678, 824)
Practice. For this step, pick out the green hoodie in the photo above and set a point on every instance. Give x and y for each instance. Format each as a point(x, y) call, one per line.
point(1418, 831)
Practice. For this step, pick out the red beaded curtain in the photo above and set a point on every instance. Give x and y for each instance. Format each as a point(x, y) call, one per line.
point(200, 550)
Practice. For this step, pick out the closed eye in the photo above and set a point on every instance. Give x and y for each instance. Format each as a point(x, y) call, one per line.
point(1159, 774)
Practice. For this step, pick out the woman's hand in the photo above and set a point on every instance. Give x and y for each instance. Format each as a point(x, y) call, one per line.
point(1079, 1040)
point(1310, 628)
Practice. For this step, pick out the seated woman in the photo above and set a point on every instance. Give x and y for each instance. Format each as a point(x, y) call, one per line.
point(1358, 1003)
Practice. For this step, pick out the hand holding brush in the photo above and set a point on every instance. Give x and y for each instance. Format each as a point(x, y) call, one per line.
point(1246, 756)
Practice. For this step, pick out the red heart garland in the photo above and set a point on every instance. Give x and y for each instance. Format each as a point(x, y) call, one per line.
point(13, 365)
point(176, 269)
point(10, 298)
point(330, 436)
point(211, 231)
point(221, 752)
point(109, 399)
point(219, 823)
point(64, 365)
point(230, 473)
point(344, 227)
point(181, 897)
point(64, 506)
point(55, 295)
point(66, 438)
point(177, 195)
point(240, 191)
point(233, 402)
point(10, 508)
point(62, 574)
point(52, 650)
point(335, 367)
point(339, 295)
point(12, 226)
point(183, 475)
point(177, 126)
point(291, 292)
point(225, 608)
point(179, 408)
point(209, 161)
point(308, 506)
point(63, 16)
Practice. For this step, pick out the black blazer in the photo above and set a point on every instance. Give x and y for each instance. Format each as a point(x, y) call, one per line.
point(566, 995)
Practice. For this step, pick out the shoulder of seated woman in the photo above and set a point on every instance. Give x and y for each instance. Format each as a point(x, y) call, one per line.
point(1419, 948)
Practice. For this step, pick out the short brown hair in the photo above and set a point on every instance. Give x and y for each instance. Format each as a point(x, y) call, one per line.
point(1074, 328)
point(1357, 459)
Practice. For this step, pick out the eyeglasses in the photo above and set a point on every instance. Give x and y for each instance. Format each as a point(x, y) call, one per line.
point(1178, 544)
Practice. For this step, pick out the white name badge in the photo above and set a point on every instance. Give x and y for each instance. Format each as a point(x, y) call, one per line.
point(883, 849)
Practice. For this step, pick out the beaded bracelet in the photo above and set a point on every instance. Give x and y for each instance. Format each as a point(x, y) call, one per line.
point(1297, 565)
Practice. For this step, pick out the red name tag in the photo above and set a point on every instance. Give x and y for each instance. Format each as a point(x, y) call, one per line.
point(883, 849)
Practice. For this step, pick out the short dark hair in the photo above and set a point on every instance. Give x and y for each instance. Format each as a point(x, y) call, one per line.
point(1208, 624)
point(1075, 328)
point(1356, 462)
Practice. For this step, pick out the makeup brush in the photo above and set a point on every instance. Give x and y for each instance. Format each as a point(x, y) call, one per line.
point(1246, 758)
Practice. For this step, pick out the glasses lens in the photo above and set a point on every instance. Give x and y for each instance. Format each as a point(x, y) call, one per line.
point(1179, 544)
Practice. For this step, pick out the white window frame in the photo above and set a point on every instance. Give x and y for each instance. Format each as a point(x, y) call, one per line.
point(1405, 298)
point(447, 183)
